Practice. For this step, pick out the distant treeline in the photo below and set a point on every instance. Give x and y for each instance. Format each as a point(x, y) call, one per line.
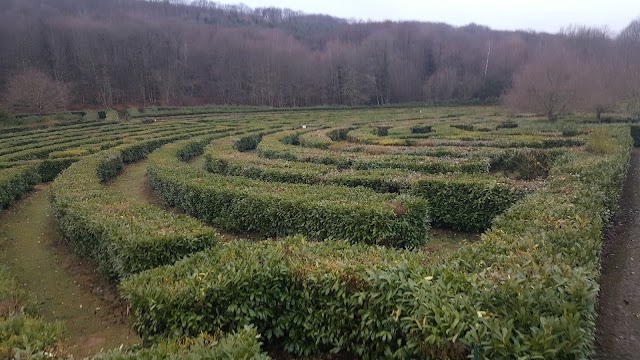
point(129, 52)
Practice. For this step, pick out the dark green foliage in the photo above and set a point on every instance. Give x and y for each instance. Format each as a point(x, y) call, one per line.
point(102, 115)
point(381, 130)
point(291, 139)
point(5, 117)
point(507, 125)
point(635, 134)
point(24, 337)
point(528, 290)
point(248, 143)
point(109, 167)
point(525, 164)
point(191, 150)
point(307, 296)
point(241, 345)
point(275, 209)
point(123, 238)
point(421, 129)
point(339, 134)
point(50, 168)
point(465, 204)
point(15, 182)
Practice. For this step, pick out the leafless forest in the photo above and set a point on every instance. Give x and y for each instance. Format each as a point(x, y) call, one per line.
point(110, 53)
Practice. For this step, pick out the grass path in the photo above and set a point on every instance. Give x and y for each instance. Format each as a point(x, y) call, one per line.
point(63, 287)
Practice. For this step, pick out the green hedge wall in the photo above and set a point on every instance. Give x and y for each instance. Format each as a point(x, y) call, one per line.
point(123, 238)
point(15, 182)
point(635, 134)
point(276, 209)
point(273, 147)
point(527, 290)
point(465, 204)
point(461, 201)
point(241, 345)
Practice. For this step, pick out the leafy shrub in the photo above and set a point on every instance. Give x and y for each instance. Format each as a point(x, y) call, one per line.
point(306, 295)
point(49, 169)
point(528, 290)
point(275, 209)
point(109, 167)
point(291, 139)
point(5, 117)
point(316, 139)
point(463, 127)
point(525, 164)
point(14, 182)
point(192, 149)
point(339, 134)
point(272, 148)
point(421, 129)
point(23, 337)
point(465, 204)
point(635, 134)
point(248, 143)
point(573, 132)
point(507, 125)
point(241, 345)
point(123, 238)
point(600, 142)
point(381, 130)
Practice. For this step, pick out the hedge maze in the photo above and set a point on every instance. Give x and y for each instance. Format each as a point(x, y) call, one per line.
point(342, 203)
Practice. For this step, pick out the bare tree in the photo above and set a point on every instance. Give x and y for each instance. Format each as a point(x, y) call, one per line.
point(546, 85)
point(33, 91)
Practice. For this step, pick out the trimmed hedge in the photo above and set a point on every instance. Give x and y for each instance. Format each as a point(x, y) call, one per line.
point(421, 129)
point(123, 238)
point(635, 134)
point(272, 147)
point(275, 209)
point(528, 290)
point(466, 204)
point(463, 202)
point(15, 182)
point(525, 164)
point(241, 345)
point(248, 143)
point(21, 335)
point(304, 295)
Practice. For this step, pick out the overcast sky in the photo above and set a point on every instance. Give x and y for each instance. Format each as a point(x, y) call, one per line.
point(539, 15)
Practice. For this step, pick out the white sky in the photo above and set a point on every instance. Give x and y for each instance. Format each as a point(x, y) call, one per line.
point(538, 15)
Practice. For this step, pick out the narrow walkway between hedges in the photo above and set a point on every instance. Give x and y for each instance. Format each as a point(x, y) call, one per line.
point(62, 287)
point(618, 330)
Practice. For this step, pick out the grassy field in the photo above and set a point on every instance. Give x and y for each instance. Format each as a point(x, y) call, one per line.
point(408, 232)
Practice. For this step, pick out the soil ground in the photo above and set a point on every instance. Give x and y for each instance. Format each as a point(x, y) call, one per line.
point(618, 330)
point(62, 286)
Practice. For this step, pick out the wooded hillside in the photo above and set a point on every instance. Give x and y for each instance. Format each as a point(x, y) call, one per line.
point(130, 52)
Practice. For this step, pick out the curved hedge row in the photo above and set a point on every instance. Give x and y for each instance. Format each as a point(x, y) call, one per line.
point(241, 345)
point(276, 209)
point(528, 290)
point(14, 182)
point(274, 147)
point(123, 238)
point(464, 202)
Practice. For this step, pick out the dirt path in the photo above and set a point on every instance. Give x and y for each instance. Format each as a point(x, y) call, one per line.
point(618, 335)
point(62, 286)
